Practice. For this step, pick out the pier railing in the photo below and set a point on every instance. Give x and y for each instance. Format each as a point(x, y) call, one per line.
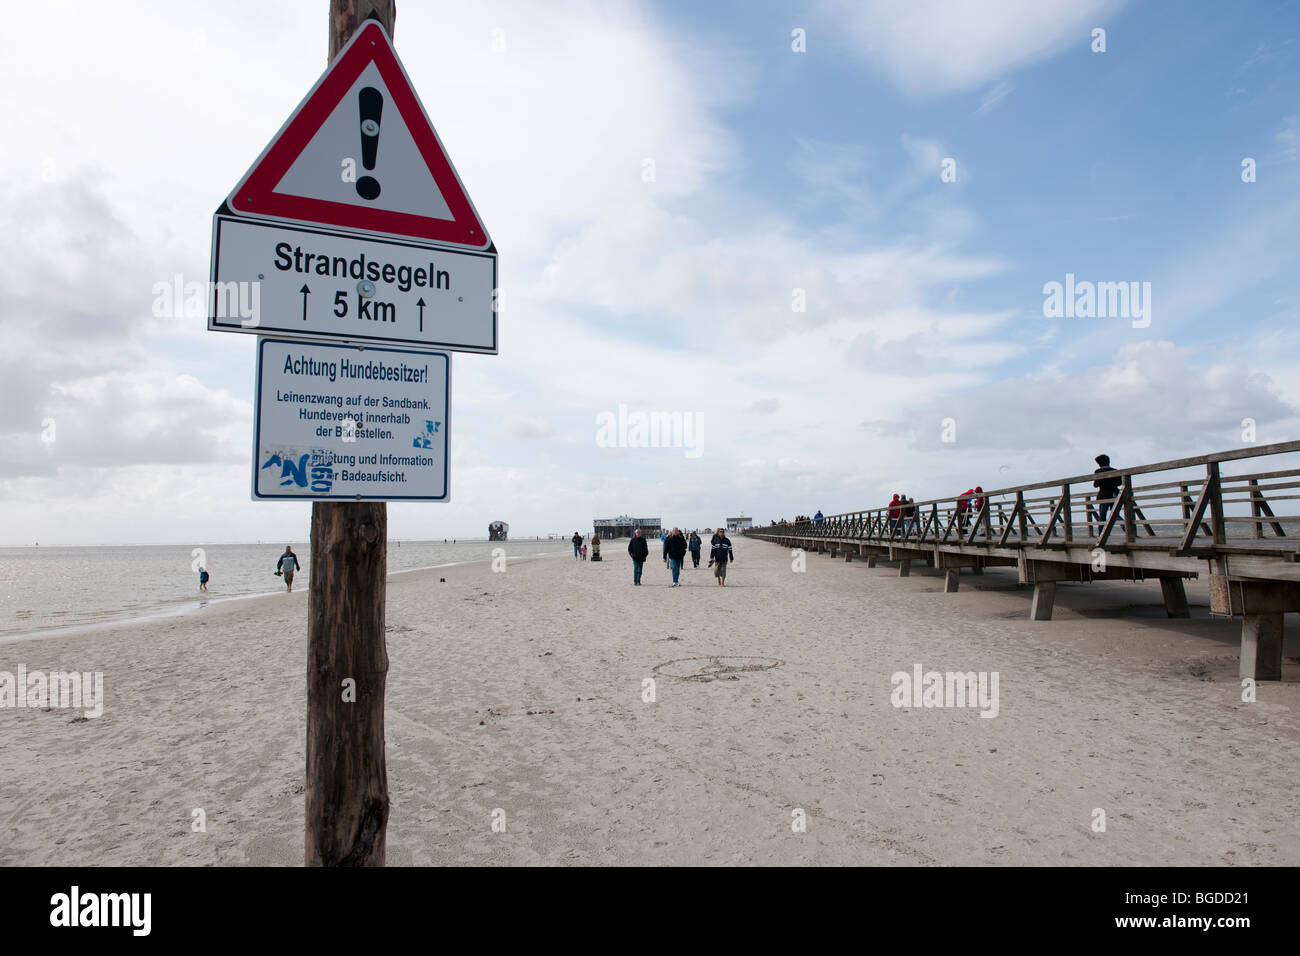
point(1188, 506)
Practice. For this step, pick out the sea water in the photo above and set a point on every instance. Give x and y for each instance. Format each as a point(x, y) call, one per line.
point(47, 590)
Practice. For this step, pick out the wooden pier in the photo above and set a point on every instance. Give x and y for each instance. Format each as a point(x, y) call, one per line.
point(1170, 521)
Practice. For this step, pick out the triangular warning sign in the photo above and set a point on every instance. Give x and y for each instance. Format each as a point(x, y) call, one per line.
point(360, 154)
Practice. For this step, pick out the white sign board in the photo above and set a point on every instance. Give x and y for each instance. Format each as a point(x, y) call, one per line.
point(341, 422)
point(276, 278)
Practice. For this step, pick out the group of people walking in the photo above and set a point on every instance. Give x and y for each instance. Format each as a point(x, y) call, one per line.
point(675, 546)
point(580, 549)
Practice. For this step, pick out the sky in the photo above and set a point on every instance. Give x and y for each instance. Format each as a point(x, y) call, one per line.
point(822, 232)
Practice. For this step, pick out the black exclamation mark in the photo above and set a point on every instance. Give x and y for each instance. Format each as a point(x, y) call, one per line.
point(371, 102)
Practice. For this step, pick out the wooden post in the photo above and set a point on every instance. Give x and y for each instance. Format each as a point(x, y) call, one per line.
point(347, 778)
point(1175, 596)
point(1069, 515)
point(1255, 512)
point(1040, 607)
point(1261, 646)
point(1216, 502)
point(1130, 518)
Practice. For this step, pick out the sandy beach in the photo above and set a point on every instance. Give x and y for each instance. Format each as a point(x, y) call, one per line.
point(523, 691)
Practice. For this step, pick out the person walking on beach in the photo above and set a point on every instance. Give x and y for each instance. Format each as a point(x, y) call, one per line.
point(663, 540)
point(675, 544)
point(203, 579)
point(1107, 488)
point(721, 556)
point(695, 544)
point(639, 550)
point(595, 546)
point(577, 546)
point(288, 566)
point(584, 552)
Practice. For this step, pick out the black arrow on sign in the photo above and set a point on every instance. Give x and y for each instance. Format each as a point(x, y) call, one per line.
point(420, 303)
point(305, 292)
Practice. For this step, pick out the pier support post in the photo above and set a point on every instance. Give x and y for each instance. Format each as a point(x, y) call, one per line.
point(951, 580)
point(1261, 646)
point(1261, 605)
point(1040, 609)
point(1175, 596)
point(871, 560)
point(904, 567)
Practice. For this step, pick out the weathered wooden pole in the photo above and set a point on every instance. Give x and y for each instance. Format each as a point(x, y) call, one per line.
point(347, 657)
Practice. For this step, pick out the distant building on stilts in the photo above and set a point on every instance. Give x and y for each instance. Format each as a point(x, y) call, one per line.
point(623, 527)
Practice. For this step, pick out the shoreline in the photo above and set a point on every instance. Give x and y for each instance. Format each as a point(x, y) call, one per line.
point(189, 607)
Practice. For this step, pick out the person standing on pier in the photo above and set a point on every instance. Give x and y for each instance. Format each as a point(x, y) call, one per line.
point(1107, 488)
point(909, 516)
point(963, 509)
point(639, 550)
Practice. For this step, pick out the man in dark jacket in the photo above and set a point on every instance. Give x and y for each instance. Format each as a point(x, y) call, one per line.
point(721, 556)
point(639, 550)
point(577, 545)
point(1107, 488)
point(676, 548)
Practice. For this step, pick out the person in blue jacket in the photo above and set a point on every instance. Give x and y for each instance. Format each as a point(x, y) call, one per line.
point(695, 544)
point(288, 566)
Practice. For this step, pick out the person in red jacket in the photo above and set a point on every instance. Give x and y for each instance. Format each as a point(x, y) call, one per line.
point(895, 512)
point(963, 509)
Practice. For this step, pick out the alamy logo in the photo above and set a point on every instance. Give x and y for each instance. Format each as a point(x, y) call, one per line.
point(56, 689)
point(103, 909)
point(651, 430)
point(179, 299)
point(951, 689)
point(1098, 300)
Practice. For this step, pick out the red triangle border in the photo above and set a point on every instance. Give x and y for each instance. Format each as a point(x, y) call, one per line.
point(256, 195)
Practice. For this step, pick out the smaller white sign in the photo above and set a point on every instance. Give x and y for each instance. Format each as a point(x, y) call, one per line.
point(342, 422)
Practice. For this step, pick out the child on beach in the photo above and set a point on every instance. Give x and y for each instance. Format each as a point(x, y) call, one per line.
point(584, 552)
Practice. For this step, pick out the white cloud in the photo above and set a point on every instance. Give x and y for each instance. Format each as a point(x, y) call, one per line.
point(935, 47)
